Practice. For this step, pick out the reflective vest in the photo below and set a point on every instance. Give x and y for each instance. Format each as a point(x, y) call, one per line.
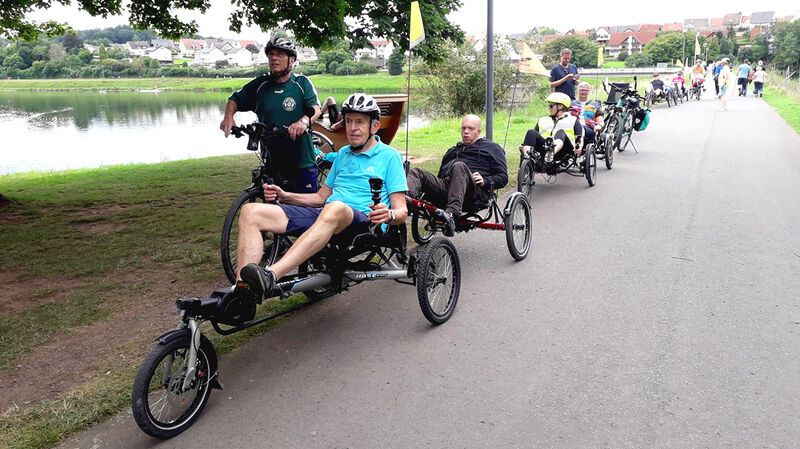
point(548, 128)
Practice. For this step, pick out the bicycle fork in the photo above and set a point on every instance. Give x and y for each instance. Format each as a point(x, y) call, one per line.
point(191, 369)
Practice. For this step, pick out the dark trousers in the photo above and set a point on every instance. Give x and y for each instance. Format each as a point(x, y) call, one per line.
point(533, 139)
point(457, 190)
point(716, 84)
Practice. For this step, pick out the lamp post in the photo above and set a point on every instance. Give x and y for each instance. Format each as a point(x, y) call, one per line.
point(489, 68)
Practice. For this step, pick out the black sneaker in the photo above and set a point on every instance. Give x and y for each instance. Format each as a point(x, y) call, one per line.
point(258, 280)
point(449, 224)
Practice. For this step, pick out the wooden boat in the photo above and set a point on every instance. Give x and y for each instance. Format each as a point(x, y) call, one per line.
point(391, 105)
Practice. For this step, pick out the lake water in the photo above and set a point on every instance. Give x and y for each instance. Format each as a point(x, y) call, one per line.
point(43, 131)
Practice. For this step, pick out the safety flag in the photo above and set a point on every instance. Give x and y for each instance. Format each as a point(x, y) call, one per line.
point(600, 56)
point(696, 46)
point(417, 31)
point(679, 63)
point(529, 63)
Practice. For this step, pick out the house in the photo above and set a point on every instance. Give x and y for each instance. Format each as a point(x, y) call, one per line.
point(602, 35)
point(162, 43)
point(624, 29)
point(306, 54)
point(137, 48)
point(188, 47)
point(91, 48)
point(762, 19)
point(260, 57)
point(732, 20)
point(160, 54)
point(628, 42)
point(676, 26)
point(240, 57)
point(383, 48)
point(755, 32)
point(209, 55)
point(650, 27)
point(695, 24)
point(245, 44)
point(716, 23)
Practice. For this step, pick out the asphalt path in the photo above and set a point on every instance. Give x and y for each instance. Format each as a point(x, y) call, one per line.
point(657, 309)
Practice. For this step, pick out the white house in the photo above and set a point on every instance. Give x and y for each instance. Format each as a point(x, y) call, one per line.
point(306, 54)
point(138, 48)
point(260, 58)
point(160, 54)
point(239, 57)
point(209, 56)
point(188, 47)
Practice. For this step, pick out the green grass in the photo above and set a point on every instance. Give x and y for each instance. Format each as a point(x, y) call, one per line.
point(614, 64)
point(788, 107)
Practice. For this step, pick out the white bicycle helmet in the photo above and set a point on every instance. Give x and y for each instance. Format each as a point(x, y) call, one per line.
point(362, 104)
point(281, 44)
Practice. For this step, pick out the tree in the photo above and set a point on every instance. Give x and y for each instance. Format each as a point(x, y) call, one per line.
point(252, 48)
point(356, 20)
point(639, 60)
point(584, 52)
point(396, 61)
point(667, 47)
point(72, 43)
point(787, 44)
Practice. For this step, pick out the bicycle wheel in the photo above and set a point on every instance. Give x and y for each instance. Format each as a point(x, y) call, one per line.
point(438, 279)
point(421, 230)
point(627, 132)
point(324, 144)
point(525, 178)
point(614, 128)
point(273, 244)
point(648, 100)
point(518, 226)
point(161, 407)
point(608, 145)
point(590, 167)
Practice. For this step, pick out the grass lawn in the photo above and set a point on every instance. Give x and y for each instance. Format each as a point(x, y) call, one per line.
point(614, 64)
point(788, 107)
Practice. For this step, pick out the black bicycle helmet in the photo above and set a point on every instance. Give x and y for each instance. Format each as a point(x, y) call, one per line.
point(281, 44)
point(362, 104)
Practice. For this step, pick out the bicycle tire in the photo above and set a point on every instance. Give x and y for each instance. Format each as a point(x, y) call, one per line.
point(438, 266)
point(608, 145)
point(525, 178)
point(615, 128)
point(273, 244)
point(627, 130)
point(149, 419)
point(590, 167)
point(324, 144)
point(420, 231)
point(518, 224)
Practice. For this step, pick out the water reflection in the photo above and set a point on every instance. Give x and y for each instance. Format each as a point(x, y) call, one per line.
point(62, 130)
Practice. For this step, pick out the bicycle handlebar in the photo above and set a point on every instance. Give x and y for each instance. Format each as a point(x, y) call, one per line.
point(260, 130)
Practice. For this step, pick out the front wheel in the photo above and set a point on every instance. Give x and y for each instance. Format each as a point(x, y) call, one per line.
point(438, 279)
point(273, 243)
point(525, 178)
point(590, 167)
point(627, 132)
point(608, 145)
point(161, 406)
point(421, 230)
point(614, 130)
point(518, 225)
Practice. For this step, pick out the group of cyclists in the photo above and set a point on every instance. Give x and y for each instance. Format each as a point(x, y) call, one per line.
point(344, 202)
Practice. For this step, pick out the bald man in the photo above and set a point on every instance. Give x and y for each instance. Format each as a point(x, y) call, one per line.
point(469, 171)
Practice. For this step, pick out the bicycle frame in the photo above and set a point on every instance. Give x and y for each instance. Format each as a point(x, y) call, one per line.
point(466, 222)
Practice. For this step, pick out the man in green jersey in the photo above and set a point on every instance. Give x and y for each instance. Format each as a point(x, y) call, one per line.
point(285, 99)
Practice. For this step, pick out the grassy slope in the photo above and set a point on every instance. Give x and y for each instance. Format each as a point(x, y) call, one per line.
point(788, 107)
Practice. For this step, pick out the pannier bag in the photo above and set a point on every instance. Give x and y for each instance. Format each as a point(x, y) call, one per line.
point(641, 119)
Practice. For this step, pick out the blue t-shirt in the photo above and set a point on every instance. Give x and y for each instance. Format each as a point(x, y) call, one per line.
point(350, 173)
point(744, 71)
point(568, 86)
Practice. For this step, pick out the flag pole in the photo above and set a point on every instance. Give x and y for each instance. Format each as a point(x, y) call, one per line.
point(416, 35)
point(408, 99)
point(511, 108)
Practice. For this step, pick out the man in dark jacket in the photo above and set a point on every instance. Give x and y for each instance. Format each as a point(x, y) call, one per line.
point(469, 171)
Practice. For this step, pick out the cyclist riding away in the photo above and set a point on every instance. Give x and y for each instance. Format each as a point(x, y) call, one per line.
point(565, 129)
point(345, 195)
point(285, 99)
point(564, 76)
point(468, 173)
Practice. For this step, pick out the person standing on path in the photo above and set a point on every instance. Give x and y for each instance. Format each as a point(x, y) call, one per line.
point(717, 69)
point(743, 74)
point(564, 76)
point(759, 78)
point(724, 78)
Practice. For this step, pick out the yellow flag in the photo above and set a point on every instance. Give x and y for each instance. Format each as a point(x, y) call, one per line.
point(696, 46)
point(679, 63)
point(529, 63)
point(600, 56)
point(417, 31)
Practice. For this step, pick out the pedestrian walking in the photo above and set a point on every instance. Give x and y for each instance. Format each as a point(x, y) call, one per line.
point(743, 77)
point(759, 78)
point(717, 69)
point(724, 78)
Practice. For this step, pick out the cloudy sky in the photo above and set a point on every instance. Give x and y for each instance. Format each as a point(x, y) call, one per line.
point(510, 16)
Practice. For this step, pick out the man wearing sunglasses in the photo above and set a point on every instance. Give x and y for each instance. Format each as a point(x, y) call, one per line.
point(564, 128)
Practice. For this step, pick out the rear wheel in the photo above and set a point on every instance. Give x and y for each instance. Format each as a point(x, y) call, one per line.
point(525, 178)
point(614, 130)
point(324, 144)
point(438, 279)
point(518, 225)
point(161, 406)
point(627, 132)
point(274, 244)
point(590, 167)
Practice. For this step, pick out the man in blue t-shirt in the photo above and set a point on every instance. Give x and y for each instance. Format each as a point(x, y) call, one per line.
point(284, 99)
point(564, 76)
point(346, 197)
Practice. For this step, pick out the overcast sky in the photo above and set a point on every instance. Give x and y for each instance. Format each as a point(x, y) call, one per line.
point(510, 16)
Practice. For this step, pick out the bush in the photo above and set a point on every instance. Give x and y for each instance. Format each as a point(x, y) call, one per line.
point(639, 60)
point(622, 56)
